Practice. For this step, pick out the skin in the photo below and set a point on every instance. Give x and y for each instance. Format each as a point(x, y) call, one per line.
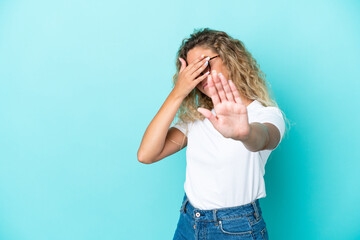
point(160, 141)
point(230, 106)
point(216, 64)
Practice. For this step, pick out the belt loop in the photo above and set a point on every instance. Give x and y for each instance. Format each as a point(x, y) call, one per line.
point(215, 218)
point(183, 205)
point(255, 209)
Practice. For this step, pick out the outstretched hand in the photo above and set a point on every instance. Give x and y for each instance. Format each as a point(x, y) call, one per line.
point(231, 118)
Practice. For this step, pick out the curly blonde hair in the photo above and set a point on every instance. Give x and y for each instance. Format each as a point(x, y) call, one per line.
point(242, 68)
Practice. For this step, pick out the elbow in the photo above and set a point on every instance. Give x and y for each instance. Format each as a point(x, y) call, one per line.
point(141, 158)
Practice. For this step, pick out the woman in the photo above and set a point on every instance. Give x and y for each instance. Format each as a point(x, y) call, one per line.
point(229, 127)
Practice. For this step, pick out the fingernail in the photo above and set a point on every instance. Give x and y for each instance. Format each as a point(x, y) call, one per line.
point(220, 74)
point(202, 55)
point(207, 59)
point(206, 63)
point(207, 72)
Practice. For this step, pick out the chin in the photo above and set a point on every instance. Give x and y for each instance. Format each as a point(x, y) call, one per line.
point(203, 91)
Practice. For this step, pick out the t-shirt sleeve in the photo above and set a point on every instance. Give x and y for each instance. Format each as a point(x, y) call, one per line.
point(274, 116)
point(183, 127)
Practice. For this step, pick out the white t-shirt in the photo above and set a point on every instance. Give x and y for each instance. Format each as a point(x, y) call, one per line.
point(222, 172)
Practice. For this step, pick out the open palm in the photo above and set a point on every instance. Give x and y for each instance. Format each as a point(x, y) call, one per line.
point(231, 118)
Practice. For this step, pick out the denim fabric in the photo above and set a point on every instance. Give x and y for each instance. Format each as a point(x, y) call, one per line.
point(240, 222)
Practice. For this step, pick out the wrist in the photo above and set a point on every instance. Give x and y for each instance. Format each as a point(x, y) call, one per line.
point(245, 137)
point(178, 96)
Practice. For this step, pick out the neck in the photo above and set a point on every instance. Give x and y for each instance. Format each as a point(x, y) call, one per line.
point(246, 101)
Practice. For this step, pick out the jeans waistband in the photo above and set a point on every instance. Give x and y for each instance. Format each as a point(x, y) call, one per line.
point(221, 213)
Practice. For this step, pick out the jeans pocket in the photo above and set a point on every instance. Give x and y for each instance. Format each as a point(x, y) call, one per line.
point(235, 226)
point(264, 234)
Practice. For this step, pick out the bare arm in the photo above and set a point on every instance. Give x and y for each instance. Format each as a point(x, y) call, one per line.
point(262, 136)
point(156, 133)
point(159, 141)
point(174, 142)
point(231, 118)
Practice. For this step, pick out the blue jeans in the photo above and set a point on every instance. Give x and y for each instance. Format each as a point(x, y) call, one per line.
point(240, 222)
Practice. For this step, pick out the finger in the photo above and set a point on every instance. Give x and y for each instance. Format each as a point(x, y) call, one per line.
point(213, 93)
point(197, 61)
point(218, 86)
point(208, 114)
point(199, 67)
point(202, 77)
point(226, 87)
point(235, 92)
point(183, 64)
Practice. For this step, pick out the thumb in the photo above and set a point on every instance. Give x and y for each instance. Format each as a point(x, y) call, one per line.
point(183, 64)
point(208, 114)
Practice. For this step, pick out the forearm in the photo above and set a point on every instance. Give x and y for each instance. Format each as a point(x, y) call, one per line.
point(258, 137)
point(154, 137)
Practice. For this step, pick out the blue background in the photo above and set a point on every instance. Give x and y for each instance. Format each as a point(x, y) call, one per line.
point(81, 81)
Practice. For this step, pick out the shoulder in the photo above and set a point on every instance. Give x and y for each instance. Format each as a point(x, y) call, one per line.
point(268, 114)
point(260, 110)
